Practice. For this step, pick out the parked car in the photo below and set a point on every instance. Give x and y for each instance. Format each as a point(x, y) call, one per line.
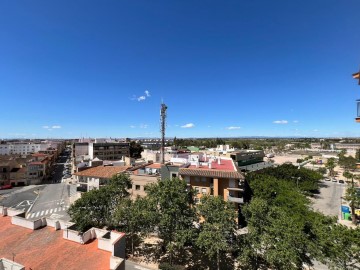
point(327, 179)
point(6, 187)
point(334, 180)
point(341, 181)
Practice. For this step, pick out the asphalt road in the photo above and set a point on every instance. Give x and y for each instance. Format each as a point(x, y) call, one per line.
point(328, 201)
point(20, 198)
point(53, 200)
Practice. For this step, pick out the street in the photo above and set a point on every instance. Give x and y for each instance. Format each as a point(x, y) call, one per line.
point(328, 201)
point(53, 200)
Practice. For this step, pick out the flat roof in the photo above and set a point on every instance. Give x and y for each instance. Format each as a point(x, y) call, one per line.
point(46, 249)
point(225, 164)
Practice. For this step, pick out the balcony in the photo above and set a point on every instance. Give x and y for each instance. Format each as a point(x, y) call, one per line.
point(235, 199)
point(235, 189)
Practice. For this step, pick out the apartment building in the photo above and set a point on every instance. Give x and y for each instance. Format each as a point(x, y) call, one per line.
point(210, 176)
point(109, 150)
point(28, 147)
point(96, 177)
point(143, 175)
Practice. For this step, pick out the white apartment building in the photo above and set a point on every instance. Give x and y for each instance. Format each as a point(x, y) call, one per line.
point(20, 148)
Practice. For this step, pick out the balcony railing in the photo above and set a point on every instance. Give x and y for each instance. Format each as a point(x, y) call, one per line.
point(235, 199)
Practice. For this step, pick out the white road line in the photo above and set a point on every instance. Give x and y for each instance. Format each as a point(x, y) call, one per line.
point(42, 213)
point(32, 215)
point(55, 210)
point(51, 210)
point(59, 209)
point(37, 214)
point(46, 212)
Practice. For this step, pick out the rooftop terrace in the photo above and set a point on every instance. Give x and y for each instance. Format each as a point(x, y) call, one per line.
point(46, 249)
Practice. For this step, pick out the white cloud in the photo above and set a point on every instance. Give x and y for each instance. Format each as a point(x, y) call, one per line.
point(46, 127)
point(141, 98)
point(209, 126)
point(190, 125)
point(147, 93)
point(56, 127)
point(232, 128)
point(176, 125)
point(296, 121)
point(143, 126)
point(132, 126)
point(282, 122)
point(315, 130)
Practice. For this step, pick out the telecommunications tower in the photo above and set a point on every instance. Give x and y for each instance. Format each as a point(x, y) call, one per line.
point(162, 130)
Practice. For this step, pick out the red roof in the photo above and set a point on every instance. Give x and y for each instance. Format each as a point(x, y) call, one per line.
point(226, 164)
point(154, 166)
point(46, 249)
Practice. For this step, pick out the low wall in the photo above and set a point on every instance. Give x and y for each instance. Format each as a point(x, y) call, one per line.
point(3, 211)
point(6, 264)
point(13, 212)
point(119, 246)
point(72, 235)
point(29, 224)
point(53, 223)
point(117, 263)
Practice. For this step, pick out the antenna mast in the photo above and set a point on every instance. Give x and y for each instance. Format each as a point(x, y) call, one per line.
point(162, 130)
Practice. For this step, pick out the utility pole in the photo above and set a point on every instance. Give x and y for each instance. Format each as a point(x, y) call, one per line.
point(162, 130)
point(356, 76)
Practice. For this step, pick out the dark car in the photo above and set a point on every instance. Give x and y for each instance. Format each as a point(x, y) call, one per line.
point(6, 187)
point(341, 181)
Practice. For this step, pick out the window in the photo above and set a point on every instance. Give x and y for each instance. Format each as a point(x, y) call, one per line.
point(173, 175)
point(204, 190)
point(137, 187)
point(196, 200)
point(197, 190)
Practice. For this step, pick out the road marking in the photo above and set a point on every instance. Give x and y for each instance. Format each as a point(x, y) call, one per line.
point(55, 210)
point(51, 210)
point(37, 214)
point(42, 213)
point(46, 212)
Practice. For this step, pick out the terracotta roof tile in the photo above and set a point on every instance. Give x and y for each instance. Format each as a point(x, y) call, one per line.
point(154, 166)
point(102, 171)
point(210, 173)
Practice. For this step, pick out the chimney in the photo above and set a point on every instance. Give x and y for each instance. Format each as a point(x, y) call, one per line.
point(205, 157)
point(210, 166)
point(197, 165)
point(219, 160)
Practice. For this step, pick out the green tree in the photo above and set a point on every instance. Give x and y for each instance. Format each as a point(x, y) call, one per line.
point(357, 155)
point(348, 163)
point(96, 208)
point(272, 233)
point(330, 165)
point(135, 149)
point(218, 228)
point(135, 218)
point(353, 197)
point(343, 247)
point(174, 214)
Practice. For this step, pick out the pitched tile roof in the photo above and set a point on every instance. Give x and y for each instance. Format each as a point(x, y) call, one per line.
point(210, 173)
point(102, 171)
point(154, 166)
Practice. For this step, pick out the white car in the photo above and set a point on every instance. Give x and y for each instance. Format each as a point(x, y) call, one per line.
point(334, 180)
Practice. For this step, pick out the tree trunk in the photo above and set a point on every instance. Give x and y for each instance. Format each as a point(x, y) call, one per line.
point(132, 245)
point(353, 217)
point(218, 260)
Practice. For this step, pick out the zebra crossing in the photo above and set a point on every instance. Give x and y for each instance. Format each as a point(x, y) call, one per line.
point(47, 212)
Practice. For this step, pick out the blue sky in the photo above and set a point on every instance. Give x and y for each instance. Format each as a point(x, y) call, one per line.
point(224, 68)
